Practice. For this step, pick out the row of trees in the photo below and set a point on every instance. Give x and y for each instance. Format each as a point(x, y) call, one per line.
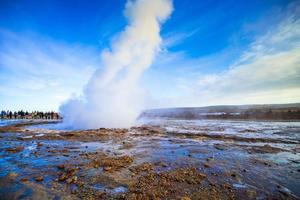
point(28, 115)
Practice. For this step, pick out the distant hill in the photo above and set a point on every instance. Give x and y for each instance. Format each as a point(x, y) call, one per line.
point(263, 111)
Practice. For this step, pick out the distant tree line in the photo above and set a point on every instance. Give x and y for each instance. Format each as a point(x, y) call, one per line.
point(28, 115)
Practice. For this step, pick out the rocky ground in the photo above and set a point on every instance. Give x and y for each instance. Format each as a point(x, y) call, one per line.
point(145, 162)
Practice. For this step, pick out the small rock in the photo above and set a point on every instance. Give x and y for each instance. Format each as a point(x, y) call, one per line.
point(24, 180)
point(15, 150)
point(107, 168)
point(163, 164)
point(206, 165)
point(212, 184)
point(226, 186)
point(72, 179)
point(61, 166)
point(12, 175)
point(251, 193)
point(220, 147)
point(209, 159)
point(62, 177)
point(38, 179)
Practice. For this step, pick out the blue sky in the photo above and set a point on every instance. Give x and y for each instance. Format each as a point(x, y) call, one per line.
point(213, 52)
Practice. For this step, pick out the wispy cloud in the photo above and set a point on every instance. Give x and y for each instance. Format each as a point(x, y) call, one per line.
point(175, 38)
point(40, 71)
point(268, 71)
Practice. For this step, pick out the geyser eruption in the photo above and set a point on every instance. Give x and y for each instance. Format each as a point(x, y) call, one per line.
point(113, 97)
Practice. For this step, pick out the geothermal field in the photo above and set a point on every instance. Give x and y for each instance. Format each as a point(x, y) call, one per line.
point(149, 100)
point(159, 158)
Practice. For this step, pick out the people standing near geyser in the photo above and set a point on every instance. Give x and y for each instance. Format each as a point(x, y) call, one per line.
point(112, 97)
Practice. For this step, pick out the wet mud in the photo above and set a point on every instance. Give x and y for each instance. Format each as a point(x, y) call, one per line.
point(156, 160)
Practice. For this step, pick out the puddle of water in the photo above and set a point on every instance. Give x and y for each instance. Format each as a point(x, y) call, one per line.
point(116, 190)
point(4, 122)
point(120, 189)
point(99, 186)
point(92, 146)
point(239, 186)
point(31, 147)
point(27, 137)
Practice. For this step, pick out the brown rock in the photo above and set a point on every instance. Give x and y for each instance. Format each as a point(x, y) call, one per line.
point(15, 150)
point(12, 175)
point(24, 180)
point(145, 167)
point(220, 147)
point(72, 179)
point(107, 168)
point(38, 179)
point(61, 166)
point(206, 165)
point(63, 177)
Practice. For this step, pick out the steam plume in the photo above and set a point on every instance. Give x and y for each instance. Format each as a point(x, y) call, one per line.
point(113, 98)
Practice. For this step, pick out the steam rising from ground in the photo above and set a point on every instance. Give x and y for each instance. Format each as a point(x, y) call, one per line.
point(113, 98)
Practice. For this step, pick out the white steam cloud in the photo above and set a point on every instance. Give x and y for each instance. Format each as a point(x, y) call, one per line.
point(113, 97)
